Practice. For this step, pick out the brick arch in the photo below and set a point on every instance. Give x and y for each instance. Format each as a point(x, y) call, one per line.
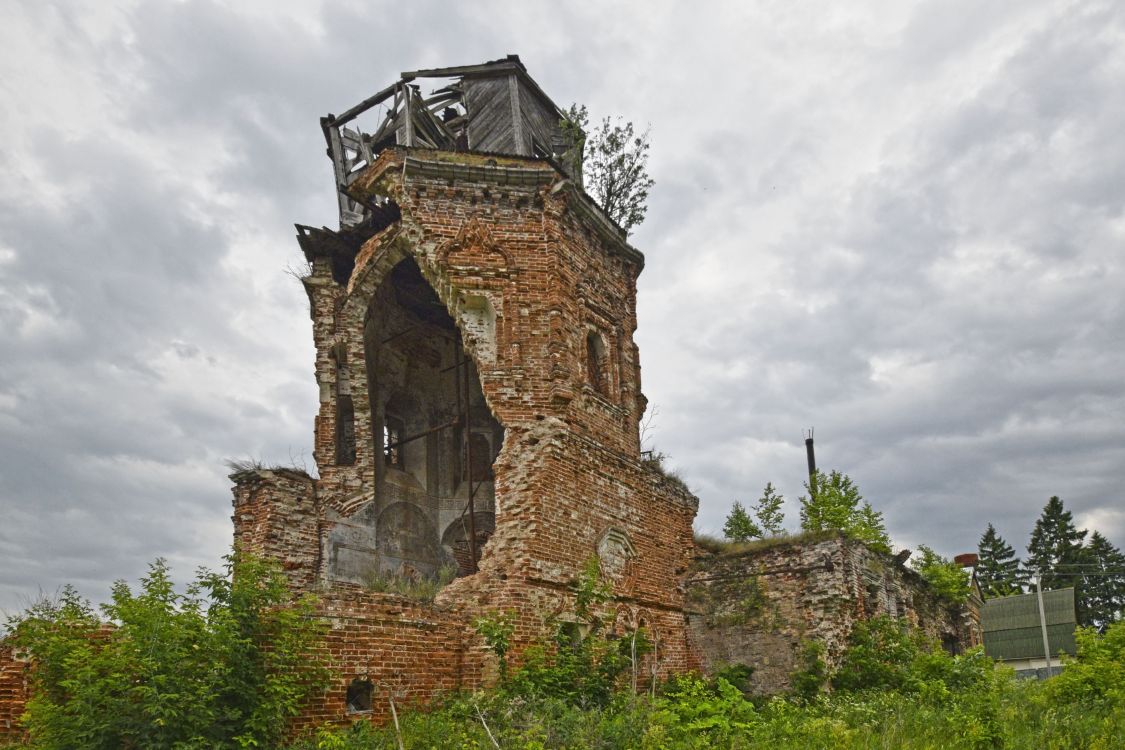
point(377, 259)
point(475, 239)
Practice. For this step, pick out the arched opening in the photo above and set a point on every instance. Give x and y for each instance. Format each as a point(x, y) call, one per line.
point(596, 374)
point(434, 436)
point(345, 412)
point(455, 540)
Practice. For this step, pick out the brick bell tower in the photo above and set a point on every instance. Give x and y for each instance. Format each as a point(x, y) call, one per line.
point(480, 392)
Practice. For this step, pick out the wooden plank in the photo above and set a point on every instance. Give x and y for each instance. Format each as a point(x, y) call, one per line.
point(517, 122)
point(490, 114)
point(408, 118)
point(365, 105)
point(339, 169)
point(498, 67)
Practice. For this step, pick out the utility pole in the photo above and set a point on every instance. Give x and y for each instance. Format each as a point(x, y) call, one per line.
point(1043, 618)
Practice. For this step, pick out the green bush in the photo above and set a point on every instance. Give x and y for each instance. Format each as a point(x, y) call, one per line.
point(949, 702)
point(1097, 673)
point(948, 578)
point(223, 665)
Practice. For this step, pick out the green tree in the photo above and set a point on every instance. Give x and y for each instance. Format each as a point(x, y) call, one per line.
point(833, 503)
point(998, 569)
point(768, 512)
point(1104, 582)
point(223, 665)
point(868, 526)
point(947, 577)
point(614, 162)
point(739, 526)
point(1055, 550)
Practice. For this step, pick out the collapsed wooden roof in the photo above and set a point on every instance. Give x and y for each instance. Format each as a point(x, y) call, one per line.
point(493, 107)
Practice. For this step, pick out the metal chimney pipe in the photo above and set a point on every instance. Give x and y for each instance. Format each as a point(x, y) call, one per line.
point(812, 462)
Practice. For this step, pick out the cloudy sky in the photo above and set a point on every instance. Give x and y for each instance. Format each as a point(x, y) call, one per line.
point(900, 223)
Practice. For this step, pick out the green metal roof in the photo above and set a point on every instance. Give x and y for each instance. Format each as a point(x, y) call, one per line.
point(1012, 630)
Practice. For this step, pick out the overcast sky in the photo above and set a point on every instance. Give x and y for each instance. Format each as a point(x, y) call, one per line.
point(900, 223)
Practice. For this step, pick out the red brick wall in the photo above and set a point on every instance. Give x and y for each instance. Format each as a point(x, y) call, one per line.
point(276, 514)
point(13, 692)
point(410, 652)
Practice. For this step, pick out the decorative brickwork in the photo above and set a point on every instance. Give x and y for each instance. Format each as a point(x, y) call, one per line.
point(757, 607)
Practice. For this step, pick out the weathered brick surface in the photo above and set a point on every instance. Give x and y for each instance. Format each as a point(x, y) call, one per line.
point(409, 652)
point(13, 690)
point(276, 511)
point(510, 237)
point(758, 607)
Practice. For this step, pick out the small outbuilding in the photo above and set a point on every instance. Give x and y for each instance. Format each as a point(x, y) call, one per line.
point(1013, 632)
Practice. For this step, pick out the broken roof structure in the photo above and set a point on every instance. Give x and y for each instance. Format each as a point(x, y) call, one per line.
point(494, 107)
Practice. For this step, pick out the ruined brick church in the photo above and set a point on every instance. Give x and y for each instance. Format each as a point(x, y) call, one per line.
point(480, 395)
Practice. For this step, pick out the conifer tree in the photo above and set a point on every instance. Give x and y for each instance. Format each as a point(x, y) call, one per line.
point(998, 570)
point(1105, 582)
point(831, 503)
point(868, 526)
point(768, 512)
point(1055, 550)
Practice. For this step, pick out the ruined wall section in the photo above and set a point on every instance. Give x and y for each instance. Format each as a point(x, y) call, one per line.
point(568, 480)
point(596, 306)
point(759, 606)
point(276, 515)
point(341, 482)
point(409, 652)
point(526, 277)
point(13, 691)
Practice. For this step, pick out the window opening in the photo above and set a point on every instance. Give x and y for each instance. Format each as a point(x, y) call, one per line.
point(595, 361)
point(345, 417)
point(394, 453)
point(481, 450)
point(360, 694)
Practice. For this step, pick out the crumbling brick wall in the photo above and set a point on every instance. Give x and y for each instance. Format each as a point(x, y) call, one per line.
point(276, 512)
point(541, 289)
point(13, 691)
point(757, 607)
point(409, 652)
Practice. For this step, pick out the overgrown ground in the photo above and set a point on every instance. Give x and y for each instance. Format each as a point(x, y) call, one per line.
point(892, 692)
point(227, 663)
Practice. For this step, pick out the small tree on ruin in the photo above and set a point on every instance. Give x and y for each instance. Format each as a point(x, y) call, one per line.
point(614, 160)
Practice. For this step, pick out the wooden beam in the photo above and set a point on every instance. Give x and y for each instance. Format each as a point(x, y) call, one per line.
point(365, 105)
point(498, 67)
point(517, 120)
point(408, 122)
